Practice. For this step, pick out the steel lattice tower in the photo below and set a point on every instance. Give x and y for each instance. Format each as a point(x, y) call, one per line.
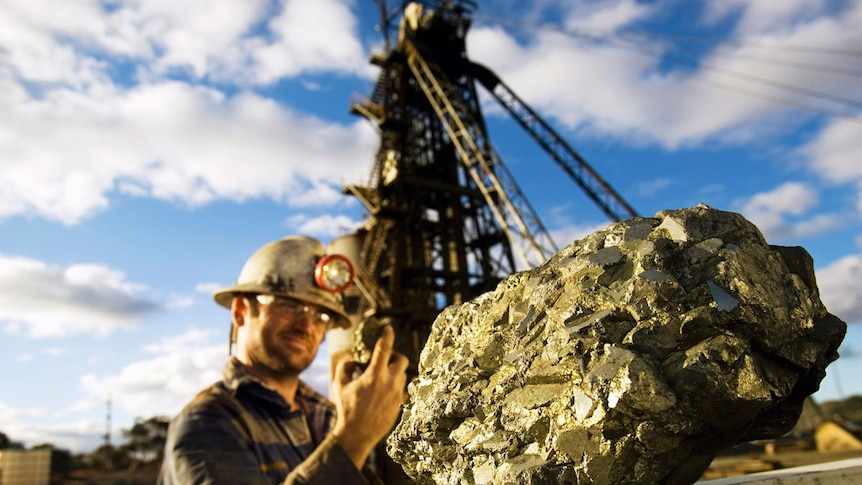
point(431, 238)
point(446, 221)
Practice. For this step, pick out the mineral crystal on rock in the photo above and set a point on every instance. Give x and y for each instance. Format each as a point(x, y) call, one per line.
point(632, 356)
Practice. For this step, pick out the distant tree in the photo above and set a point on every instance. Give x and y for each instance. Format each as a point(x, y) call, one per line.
point(81, 461)
point(7, 443)
point(146, 439)
point(109, 457)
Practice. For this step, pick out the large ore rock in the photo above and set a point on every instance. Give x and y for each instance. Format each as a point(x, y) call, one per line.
point(632, 356)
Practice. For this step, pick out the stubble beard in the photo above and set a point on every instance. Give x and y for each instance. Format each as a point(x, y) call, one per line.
point(281, 359)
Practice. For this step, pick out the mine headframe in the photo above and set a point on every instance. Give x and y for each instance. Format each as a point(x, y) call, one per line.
point(446, 220)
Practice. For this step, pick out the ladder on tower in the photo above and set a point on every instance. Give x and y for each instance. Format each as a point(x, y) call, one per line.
point(517, 218)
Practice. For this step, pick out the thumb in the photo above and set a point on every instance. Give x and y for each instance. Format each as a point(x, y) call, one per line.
point(382, 350)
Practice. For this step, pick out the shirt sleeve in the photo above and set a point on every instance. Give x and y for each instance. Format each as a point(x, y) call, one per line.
point(205, 449)
point(328, 465)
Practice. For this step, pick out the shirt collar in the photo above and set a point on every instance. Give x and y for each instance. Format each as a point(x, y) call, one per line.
point(236, 375)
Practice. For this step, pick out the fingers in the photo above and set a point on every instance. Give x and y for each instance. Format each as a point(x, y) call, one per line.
point(382, 350)
point(344, 372)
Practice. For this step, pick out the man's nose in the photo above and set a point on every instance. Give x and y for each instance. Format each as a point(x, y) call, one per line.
point(302, 320)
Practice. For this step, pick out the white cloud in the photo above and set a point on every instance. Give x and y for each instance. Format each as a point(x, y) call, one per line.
point(218, 39)
point(32, 427)
point(200, 35)
point(30, 48)
point(782, 213)
point(322, 193)
point(52, 301)
point(181, 366)
point(630, 93)
point(312, 35)
point(180, 343)
point(790, 197)
point(8, 414)
point(208, 288)
point(599, 18)
point(76, 436)
point(840, 289)
point(72, 134)
point(758, 16)
point(66, 154)
point(324, 226)
point(832, 153)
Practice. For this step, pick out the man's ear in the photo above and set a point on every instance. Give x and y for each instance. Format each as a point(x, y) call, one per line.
point(237, 310)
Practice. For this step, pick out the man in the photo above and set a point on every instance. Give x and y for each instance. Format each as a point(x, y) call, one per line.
point(261, 424)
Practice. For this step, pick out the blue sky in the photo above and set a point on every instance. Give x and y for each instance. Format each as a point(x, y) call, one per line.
point(148, 147)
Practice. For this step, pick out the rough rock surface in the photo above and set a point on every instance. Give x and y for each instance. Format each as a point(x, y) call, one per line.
point(632, 356)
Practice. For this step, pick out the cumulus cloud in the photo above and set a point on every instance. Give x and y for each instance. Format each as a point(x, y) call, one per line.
point(33, 426)
point(756, 16)
point(76, 436)
point(599, 18)
point(776, 212)
point(323, 226)
point(76, 129)
point(9, 414)
point(840, 289)
point(635, 91)
point(67, 153)
point(208, 288)
point(791, 197)
point(42, 300)
point(311, 35)
point(832, 154)
point(253, 41)
point(181, 365)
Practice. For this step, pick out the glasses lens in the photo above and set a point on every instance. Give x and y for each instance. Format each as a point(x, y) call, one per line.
point(296, 308)
point(321, 316)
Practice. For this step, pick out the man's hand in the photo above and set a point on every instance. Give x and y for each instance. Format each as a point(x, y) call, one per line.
point(368, 406)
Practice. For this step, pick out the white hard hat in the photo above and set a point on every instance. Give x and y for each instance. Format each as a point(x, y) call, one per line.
point(295, 267)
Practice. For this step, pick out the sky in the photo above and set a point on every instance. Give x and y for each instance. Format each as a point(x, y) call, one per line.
point(148, 147)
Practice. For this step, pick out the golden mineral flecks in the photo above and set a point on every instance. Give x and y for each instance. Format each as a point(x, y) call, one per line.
point(632, 356)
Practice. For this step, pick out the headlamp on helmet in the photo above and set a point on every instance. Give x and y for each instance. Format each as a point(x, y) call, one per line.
point(334, 273)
